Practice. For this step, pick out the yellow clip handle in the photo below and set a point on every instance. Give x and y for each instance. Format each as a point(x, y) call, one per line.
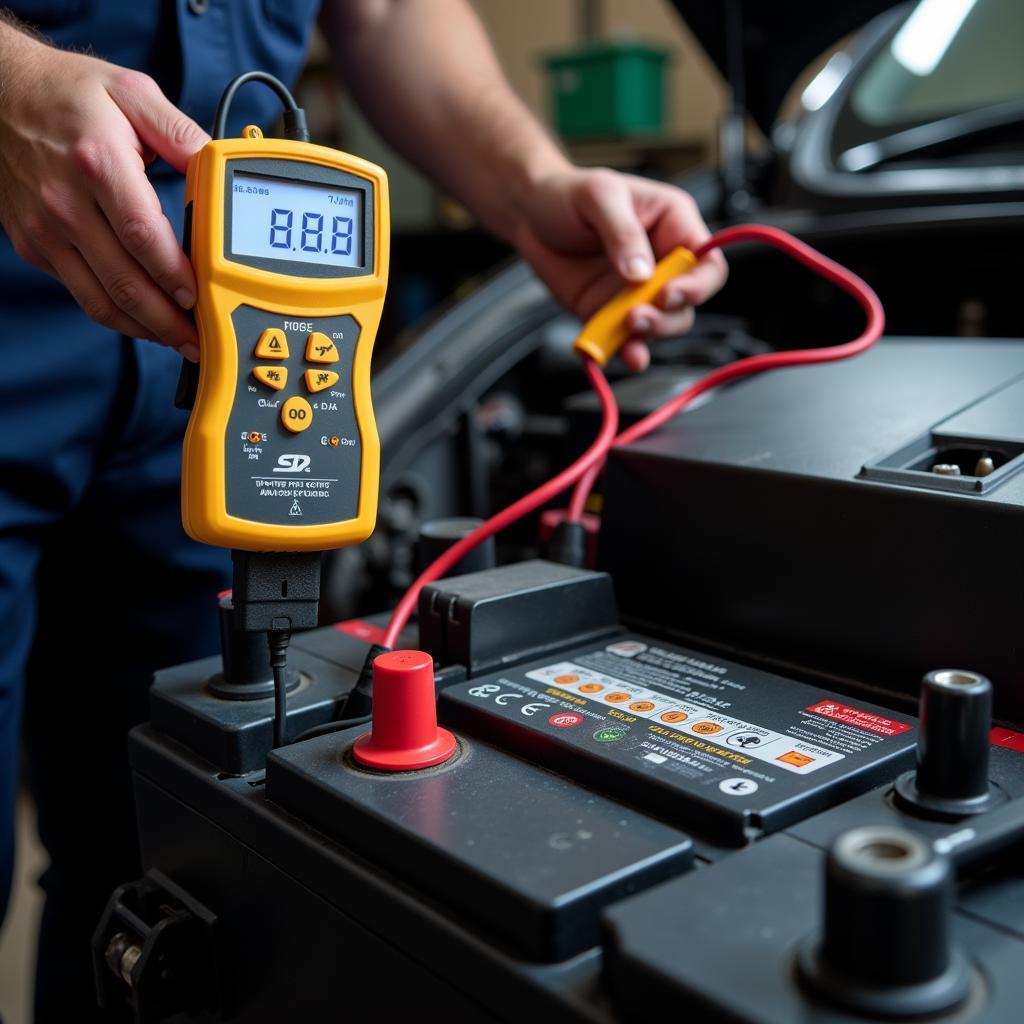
point(605, 332)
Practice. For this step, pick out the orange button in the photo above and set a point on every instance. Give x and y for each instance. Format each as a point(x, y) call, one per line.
point(272, 345)
point(616, 698)
point(320, 380)
point(641, 705)
point(273, 376)
point(674, 716)
point(320, 349)
point(797, 760)
point(591, 688)
point(296, 414)
point(567, 680)
point(707, 728)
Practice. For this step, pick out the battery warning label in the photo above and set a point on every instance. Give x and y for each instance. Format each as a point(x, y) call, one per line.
point(878, 724)
point(783, 752)
point(717, 747)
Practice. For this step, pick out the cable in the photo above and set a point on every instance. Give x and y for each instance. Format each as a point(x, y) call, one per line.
point(580, 493)
point(525, 505)
point(330, 727)
point(585, 470)
point(810, 258)
point(277, 641)
point(294, 116)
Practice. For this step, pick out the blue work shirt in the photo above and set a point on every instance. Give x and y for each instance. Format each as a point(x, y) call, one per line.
point(90, 449)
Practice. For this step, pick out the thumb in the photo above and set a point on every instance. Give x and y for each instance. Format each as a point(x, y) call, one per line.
point(606, 203)
point(159, 124)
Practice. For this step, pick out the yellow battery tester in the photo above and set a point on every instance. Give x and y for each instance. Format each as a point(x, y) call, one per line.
point(281, 459)
point(289, 242)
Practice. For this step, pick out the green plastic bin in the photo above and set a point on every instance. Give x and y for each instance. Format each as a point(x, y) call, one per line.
point(608, 90)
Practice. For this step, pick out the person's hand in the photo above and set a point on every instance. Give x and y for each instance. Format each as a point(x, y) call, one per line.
point(76, 134)
point(588, 233)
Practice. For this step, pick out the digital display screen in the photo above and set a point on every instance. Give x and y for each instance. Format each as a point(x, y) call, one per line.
point(289, 220)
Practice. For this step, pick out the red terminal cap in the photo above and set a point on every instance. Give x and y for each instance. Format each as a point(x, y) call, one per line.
point(405, 734)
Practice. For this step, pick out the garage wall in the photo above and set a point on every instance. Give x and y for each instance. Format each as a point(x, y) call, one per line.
point(523, 30)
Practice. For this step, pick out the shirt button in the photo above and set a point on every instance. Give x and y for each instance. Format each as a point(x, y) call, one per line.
point(198, 6)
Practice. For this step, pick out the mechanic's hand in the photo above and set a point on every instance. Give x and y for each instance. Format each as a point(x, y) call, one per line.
point(587, 233)
point(75, 136)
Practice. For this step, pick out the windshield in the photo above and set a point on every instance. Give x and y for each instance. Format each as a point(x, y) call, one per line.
point(948, 57)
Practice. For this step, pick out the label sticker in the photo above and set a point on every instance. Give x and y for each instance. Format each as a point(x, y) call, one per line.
point(627, 648)
point(738, 787)
point(708, 744)
point(796, 758)
point(565, 719)
point(781, 751)
point(878, 724)
point(1007, 738)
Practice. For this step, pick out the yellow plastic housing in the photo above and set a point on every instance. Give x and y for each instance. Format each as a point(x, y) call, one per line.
point(223, 286)
point(606, 332)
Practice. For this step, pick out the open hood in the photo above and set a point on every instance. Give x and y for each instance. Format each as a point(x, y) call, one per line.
point(779, 40)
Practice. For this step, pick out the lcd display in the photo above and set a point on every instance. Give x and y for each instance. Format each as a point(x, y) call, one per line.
point(289, 220)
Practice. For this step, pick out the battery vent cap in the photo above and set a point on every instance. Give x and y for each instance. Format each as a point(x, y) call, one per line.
point(405, 734)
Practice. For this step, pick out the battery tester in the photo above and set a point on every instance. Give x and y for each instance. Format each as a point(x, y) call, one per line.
point(289, 242)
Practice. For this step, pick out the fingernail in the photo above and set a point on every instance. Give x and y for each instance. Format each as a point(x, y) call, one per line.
point(638, 268)
point(190, 352)
point(675, 300)
point(642, 324)
point(184, 298)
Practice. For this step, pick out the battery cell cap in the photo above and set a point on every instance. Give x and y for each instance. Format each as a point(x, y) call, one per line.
point(405, 734)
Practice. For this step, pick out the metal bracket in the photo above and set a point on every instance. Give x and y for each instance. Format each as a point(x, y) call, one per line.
point(154, 952)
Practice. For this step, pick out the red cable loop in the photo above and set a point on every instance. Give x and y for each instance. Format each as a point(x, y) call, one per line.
point(524, 506)
point(802, 253)
point(586, 469)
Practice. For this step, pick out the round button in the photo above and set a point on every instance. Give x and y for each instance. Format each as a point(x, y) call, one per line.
point(296, 414)
point(198, 6)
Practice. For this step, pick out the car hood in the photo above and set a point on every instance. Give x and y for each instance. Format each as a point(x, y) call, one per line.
point(779, 40)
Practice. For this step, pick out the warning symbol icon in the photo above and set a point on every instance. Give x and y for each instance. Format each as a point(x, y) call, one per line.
point(738, 787)
point(295, 510)
point(744, 740)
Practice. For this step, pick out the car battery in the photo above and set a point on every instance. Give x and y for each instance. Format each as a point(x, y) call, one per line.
point(728, 751)
point(552, 868)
